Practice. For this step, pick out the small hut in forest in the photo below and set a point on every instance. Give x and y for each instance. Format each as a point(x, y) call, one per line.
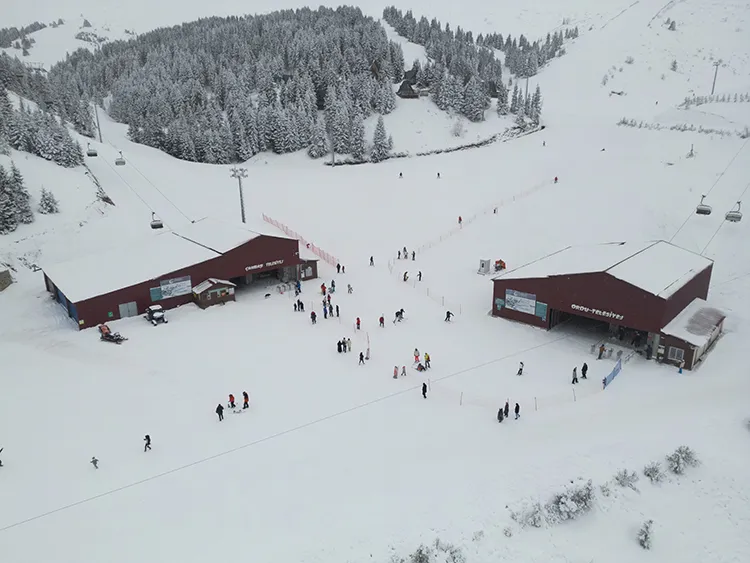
point(406, 91)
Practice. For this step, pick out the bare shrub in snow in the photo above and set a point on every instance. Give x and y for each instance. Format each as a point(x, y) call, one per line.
point(605, 79)
point(531, 515)
point(673, 66)
point(745, 133)
point(458, 128)
point(422, 554)
point(673, 26)
point(682, 458)
point(478, 535)
point(626, 478)
point(644, 534)
point(508, 532)
point(654, 472)
point(575, 500)
point(629, 60)
point(439, 552)
point(605, 489)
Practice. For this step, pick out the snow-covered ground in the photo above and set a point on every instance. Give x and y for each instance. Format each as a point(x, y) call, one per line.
point(339, 462)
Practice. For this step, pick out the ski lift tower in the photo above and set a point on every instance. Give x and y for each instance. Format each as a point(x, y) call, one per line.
point(240, 173)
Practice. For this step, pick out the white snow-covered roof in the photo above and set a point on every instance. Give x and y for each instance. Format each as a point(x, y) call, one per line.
point(657, 267)
point(217, 235)
point(210, 282)
point(306, 254)
point(139, 261)
point(695, 323)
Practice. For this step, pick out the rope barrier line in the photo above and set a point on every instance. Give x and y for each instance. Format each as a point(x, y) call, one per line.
point(268, 438)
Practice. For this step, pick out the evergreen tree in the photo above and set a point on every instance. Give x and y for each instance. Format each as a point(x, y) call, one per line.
point(8, 210)
point(521, 121)
point(340, 128)
point(536, 106)
point(20, 195)
point(502, 99)
point(474, 100)
point(380, 142)
point(358, 148)
point(318, 144)
point(48, 204)
point(515, 102)
point(6, 113)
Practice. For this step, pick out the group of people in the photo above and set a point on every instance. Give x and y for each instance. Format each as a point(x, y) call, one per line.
point(584, 371)
point(232, 405)
point(405, 255)
point(504, 412)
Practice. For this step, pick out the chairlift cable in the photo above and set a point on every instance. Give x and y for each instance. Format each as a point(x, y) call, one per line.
point(739, 199)
point(158, 190)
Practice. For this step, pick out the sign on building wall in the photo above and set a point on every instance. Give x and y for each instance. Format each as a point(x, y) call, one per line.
point(174, 287)
point(266, 265)
point(597, 312)
point(541, 310)
point(520, 301)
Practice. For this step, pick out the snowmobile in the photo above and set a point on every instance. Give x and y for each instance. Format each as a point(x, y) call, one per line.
point(109, 336)
point(155, 314)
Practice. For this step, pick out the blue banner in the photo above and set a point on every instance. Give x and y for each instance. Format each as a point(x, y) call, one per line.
point(615, 372)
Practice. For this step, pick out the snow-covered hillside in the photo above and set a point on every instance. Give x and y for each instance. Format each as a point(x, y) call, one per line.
point(337, 462)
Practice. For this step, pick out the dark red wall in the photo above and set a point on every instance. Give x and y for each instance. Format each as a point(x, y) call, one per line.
point(696, 287)
point(601, 291)
point(233, 264)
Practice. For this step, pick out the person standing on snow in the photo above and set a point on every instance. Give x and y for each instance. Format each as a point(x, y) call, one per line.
point(448, 316)
point(94, 462)
point(381, 320)
point(399, 255)
point(338, 268)
point(361, 358)
point(520, 368)
point(313, 317)
point(395, 372)
point(349, 289)
point(575, 376)
point(333, 286)
point(1, 461)
point(338, 346)
point(426, 360)
point(500, 415)
point(419, 276)
point(323, 288)
point(337, 310)
point(231, 401)
point(413, 255)
point(403, 371)
point(358, 323)
point(325, 312)
point(147, 447)
point(406, 276)
point(343, 344)
point(406, 254)
point(460, 221)
point(220, 412)
point(328, 297)
point(518, 411)
point(424, 390)
point(245, 400)
point(584, 370)
point(416, 356)
point(507, 409)
point(348, 344)
point(601, 352)
point(372, 261)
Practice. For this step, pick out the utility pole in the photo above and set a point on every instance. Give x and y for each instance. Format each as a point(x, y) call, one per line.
point(716, 71)
point(527, 86)
point(240, 173)
point(98, 128)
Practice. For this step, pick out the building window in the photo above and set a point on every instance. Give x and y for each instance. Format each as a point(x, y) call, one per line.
point(676, 354)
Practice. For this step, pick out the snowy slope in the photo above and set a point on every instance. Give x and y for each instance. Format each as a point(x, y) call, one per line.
point(348, 462)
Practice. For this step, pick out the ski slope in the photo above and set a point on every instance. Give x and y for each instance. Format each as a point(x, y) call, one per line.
point(337, 462)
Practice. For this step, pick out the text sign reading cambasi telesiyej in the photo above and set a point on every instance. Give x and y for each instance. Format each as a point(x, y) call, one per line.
point(597, 312)
point(266, 265)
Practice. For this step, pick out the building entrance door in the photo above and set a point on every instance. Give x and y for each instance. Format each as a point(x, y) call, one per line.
point(128, 310)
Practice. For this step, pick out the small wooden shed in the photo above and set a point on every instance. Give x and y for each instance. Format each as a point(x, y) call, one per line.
point(406, 91)
point(213, 291)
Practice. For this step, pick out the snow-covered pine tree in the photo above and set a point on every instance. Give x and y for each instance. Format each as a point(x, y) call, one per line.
point(340, 128)
point(536, 106)
point(319, 143)
point(521, 120)
point(358, 147)
point(6, 113)
point(8, 210)
point(515, 102)
point(502, 99)
point(474, 100)
point(47, 203)
point(379, 142)
point(21, 196)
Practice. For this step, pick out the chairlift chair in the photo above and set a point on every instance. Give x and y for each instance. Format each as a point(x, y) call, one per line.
point(91, 151)
point(702, 208)
point(156, 223)
point(120, 160)
point(735, 215)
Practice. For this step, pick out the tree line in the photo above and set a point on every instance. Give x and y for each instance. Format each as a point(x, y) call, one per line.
point(15, 201)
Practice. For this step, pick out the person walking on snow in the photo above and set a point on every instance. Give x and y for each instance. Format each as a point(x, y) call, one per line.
point(419, 276)
point(372, 261)
point(361, 359)
point(399, 255)
point(413, 255)
point(395, 372)
point(94, 462)
point(426, 360)
point(416, 356)
point(343, 269)
point(381, 320)
point(231, 401)
point(500, 414)
point(584, 370)
point(220, 412)
point(424, 390)
point(406, 276)
point(438, 176)
point(448, 316)
point(338, 346)
point(406, 254)
point(245, 400)
point(348, 344)
point(507, 408)
point(328, 297)
point(337, 310)
point(333, 286)
point(313, 317)
point(575, 376)
point(147, 447)
point(358, 323)
point(403, 371)
point(323, 288)
point(338, 268)
point(460, 221)
point(601, 352)
point(555, 179)
point(520, 368)
point(349, 288)
point(518, 411)
point(325, 312)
